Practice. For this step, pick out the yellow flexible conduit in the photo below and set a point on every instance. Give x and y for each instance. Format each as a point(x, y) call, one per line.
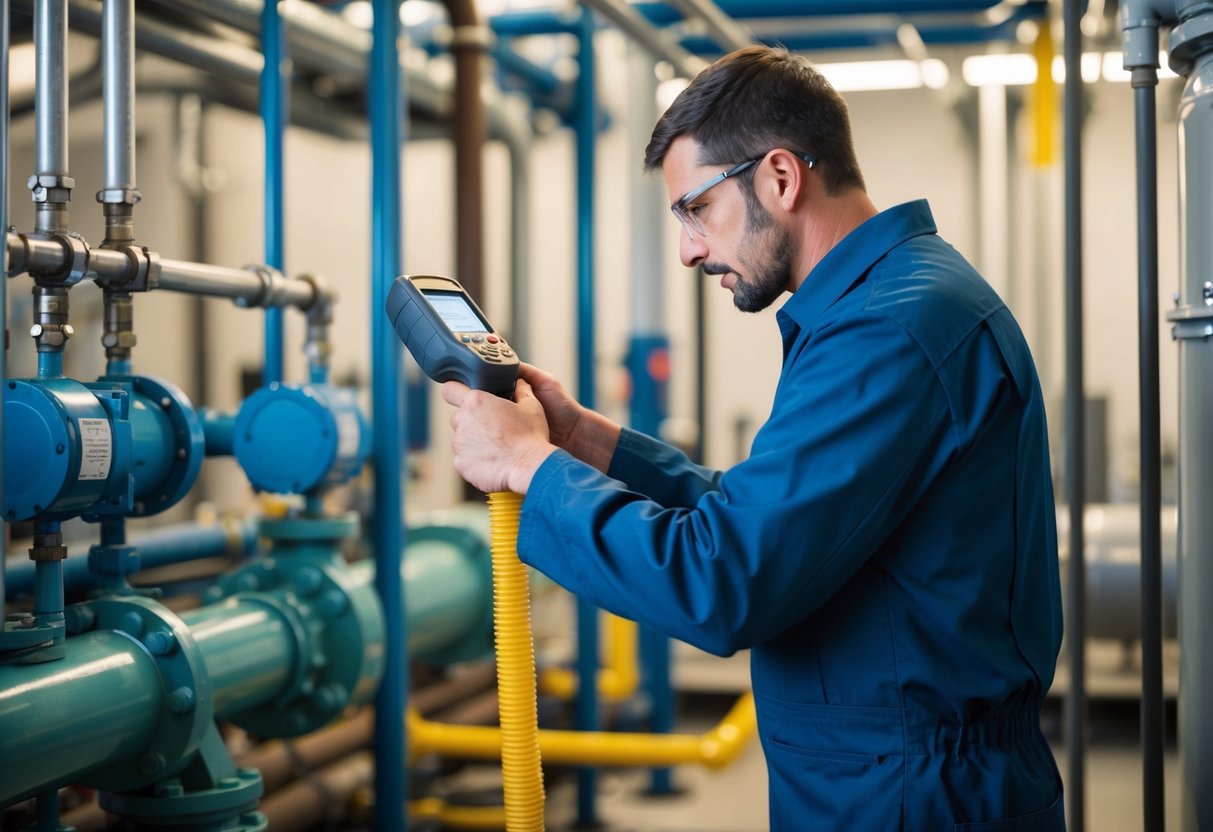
point(520, 768)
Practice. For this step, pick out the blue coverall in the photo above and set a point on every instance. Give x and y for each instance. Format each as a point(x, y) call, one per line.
point(888, 551)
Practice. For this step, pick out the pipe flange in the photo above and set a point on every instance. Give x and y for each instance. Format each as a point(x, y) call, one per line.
point(75, 259)
point(1188, 40)
point(187, 707)
point(273, 288)
point(228, 805)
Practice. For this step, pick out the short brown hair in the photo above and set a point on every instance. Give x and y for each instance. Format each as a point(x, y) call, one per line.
point(756, 99)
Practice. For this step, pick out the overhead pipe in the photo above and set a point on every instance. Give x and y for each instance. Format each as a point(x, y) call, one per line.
point(118, 193)
point(388, 538)
point(1075, 431)
point(661, 14)
point(724, 30)
point(625, 16)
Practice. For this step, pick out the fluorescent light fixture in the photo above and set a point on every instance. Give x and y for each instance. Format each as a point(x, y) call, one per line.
point(999, 70)
point(861, 76)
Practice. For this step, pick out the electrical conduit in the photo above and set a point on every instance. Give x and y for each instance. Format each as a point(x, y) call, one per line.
point(519, 732)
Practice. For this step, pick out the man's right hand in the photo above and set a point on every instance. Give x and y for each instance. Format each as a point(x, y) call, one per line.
point(587, 435)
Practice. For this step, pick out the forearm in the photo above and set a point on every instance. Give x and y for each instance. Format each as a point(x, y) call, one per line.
point(594, 440)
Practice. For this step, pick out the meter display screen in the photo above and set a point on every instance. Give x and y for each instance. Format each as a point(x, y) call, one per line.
point(455, 312)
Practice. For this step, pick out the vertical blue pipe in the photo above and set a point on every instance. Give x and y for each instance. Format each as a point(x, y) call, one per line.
point(586, 718)
point(273, 119)
point(4, 276)
point(388, 538)
point(48, 583)
point(50, 364)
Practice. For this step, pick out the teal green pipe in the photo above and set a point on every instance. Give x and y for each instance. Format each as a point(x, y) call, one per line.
point(248, 649)
point(60, 720)
point(101, 705)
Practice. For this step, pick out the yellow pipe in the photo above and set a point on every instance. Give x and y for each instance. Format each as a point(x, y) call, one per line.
point(457, 817)
point(1044, 100)
point(618, 680)
point(714, 749)
point(518, 743)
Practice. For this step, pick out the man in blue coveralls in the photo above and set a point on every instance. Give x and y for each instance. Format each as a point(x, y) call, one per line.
point(888, 550)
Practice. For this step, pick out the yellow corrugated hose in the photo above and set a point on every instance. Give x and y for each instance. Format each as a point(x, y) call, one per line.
point(520, 765)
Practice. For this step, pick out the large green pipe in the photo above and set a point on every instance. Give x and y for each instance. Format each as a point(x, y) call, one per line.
point(248, 649)
point(59, 720)
point(62, 721)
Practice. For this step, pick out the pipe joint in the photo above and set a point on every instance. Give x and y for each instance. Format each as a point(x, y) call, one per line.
point(70, 266)
point(1190, 39)
point(51, 329)
point(119, 196)
point(141, 271)
point(51, 187)
point(119, 336)
point(273, 289)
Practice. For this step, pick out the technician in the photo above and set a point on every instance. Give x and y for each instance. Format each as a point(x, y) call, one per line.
point(888, 550)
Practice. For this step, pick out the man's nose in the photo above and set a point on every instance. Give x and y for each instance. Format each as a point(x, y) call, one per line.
point(691, 250)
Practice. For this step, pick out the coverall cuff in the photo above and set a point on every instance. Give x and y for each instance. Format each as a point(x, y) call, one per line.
point(633, 454)
point(543, 498)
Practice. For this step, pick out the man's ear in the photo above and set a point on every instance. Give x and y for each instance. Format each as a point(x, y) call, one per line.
point(787, 178)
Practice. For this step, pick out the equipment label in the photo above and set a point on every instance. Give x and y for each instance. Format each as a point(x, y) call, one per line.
point(97, 449)
point(349, 435)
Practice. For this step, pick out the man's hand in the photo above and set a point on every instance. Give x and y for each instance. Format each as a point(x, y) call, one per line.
point(589, 436)
point(498, 444)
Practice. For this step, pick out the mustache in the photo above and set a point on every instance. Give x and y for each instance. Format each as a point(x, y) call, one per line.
point(716, 268)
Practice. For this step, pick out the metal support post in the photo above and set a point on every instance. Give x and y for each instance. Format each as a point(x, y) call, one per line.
point(4, 50)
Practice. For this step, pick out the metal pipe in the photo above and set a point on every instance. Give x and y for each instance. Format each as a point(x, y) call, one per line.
point(50, 120)
point(658, 44)
point(585, 125)
point(166, 546)
point(4, 117)
point(1075, 437)
point(106, 669)
point(724, 30)
point(274, 103)
point(470, 40)
point(249, 649)
point(118, 80)
point(388, 537)
point(1153, 716)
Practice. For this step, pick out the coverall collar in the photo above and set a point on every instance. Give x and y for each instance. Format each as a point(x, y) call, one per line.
point(849, 261)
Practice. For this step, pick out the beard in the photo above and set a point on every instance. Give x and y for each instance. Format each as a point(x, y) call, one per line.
point(765, 251)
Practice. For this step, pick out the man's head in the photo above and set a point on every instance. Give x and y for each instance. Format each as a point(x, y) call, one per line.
point(772, 110)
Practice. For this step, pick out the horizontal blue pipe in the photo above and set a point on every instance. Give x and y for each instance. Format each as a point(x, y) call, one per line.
point(219, 428)
point(520, 24)
point(172, 544)
point(661, 14)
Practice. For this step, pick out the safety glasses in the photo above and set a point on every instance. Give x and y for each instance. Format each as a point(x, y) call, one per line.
point(687, 210)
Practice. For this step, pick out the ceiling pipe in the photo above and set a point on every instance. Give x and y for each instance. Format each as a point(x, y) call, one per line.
point(724, 30)
point(660, 45)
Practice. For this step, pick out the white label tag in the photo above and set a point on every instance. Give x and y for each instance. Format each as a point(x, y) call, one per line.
point(348, 434)
point(97, 449)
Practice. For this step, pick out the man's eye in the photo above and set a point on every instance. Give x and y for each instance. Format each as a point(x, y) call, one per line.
point(696, 208)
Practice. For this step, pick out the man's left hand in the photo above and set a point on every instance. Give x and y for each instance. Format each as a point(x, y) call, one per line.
point(498, 444)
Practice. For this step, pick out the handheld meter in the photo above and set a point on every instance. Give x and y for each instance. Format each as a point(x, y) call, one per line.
point(449, 336)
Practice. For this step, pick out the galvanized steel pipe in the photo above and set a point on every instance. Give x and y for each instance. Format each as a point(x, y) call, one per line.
point(50, 117)
point(118, 82)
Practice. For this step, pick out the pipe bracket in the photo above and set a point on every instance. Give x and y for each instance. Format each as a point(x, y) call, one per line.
point(273, 288)
point(1193, 321)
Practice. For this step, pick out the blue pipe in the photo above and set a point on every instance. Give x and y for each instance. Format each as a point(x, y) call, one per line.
point(164, 547)
point(48, 583)
point(273, 119)
point(50, 364)
point(387, 131)
point(3, 289)
point(519, 24)
point(586, 717)
point(661, 14)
